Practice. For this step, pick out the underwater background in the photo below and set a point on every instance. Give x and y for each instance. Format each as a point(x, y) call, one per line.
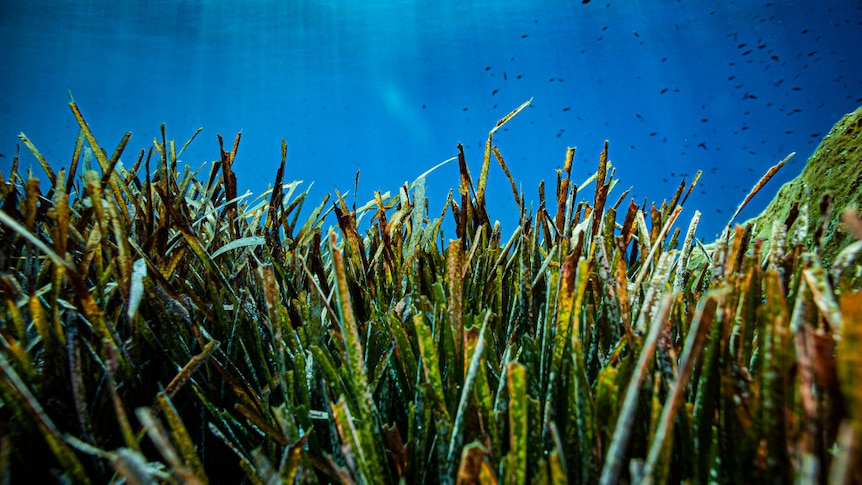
point(388, 88)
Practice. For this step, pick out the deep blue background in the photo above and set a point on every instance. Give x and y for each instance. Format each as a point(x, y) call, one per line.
point(390, 87)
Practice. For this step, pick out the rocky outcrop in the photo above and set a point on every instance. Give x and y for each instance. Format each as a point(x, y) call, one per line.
point(835, 168)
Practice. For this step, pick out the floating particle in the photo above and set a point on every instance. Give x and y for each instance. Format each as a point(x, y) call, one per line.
point(423, 106)
point(664, 59)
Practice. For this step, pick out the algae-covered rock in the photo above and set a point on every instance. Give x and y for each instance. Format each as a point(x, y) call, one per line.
point(835, 168)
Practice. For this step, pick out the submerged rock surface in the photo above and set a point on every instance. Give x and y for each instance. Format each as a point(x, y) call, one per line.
point(835, 168)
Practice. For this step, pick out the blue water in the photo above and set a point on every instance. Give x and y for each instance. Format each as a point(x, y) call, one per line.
point(389, 87)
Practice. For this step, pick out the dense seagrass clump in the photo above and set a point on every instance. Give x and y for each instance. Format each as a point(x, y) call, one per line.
point(156, 326)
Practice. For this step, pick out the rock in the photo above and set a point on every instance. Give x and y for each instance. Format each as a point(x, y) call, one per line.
point(835, 168)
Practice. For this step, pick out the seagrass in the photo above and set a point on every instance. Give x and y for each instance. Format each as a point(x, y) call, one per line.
point(159, 327)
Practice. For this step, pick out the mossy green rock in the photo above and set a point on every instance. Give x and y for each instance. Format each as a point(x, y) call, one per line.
point(834, 168)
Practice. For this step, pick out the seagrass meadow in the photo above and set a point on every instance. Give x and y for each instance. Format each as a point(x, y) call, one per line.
point(158, 327)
